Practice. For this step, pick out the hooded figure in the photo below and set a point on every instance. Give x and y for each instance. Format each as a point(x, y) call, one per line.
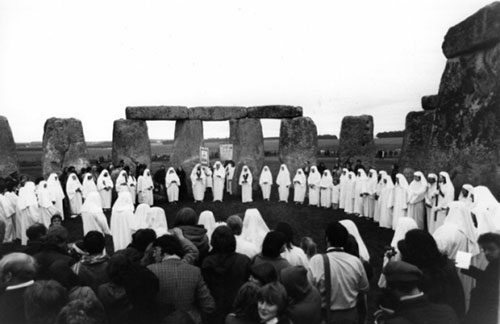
point(416, 198)
point(56, 193)
point(27, 209)
point(132, 187)
point(342, 183)
point(93, 218)
point(246, 184)
point(378, 191)
point(444, 195)
point(121, 216)
point(326, 185)
point(360, 192)
point(384, 201)
point(313, 181)
point(145, 188)
point(46, 207)
point(349, 193)
point(466, 194)
point(283, 182)
point(218, 179)
point(353, 230)
point(88, 185)
point(104, 185)
point(229, 178)
point(254, 228)
point(207, 219)
point(398, 200)
point(265, 182)
point(370, 191)
point(121, 183)
point(458, 234)
point(299, 186)
point(305, 300)
point(74, 192)
point(485, 209)
point(157, 221)
point(141, 216)
point(430, 198)
point(172, 183)
point(8, 215)
point(198, 181)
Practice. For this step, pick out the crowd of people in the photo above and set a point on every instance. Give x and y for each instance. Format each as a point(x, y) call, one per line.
point(239, 271)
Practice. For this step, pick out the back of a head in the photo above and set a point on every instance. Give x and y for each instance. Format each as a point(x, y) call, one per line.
point(245, 303)
point(420, 249)
point(118, 268)
point(287, 231)
point(336, 234)
point(223, 240)
point(57, 235)
point(264, 272)
point(93, 242)
point(169, 244)
point(273, 244)
point(235, 224)
point(43, 301)
point(309, 246)
point(295, 281)
point(402, 276)
point(36, 232)
point(82, 311)
point(20, 266)
point(142, 238)
point(186, 216)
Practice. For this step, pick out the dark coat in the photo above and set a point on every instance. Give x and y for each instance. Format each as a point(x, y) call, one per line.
point(197, 234)
point(421, 311)
point(47, 256)
point(278, 263)
point(92, 271)
point(12, 306)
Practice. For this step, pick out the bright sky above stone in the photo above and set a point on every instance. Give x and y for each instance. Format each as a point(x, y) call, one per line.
point(91, 59)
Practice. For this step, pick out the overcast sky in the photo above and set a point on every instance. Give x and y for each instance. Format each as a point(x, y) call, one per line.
point(91, 59)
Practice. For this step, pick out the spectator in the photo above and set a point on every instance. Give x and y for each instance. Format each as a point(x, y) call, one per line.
point(17, 271)
point(54, 248)
point(56, 220)
point(245, 306)
point(242, 246)
point(62, 273)
point(36, 234)
point(141, 240)
point(82, 311)
point(272, 303)
point(43, 301)
point(309, 246)
point(293, 254)
point(262, 274)
point(273, 245)
point(187, 220)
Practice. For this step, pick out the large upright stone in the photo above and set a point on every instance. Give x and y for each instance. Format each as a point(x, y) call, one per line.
point(157, 113)
point(298, 142)
point(63, 145)
point(131, 143)
point(8, 154)
point(274, 111)
point(356, 139)
point(248, 148)
point(417, 139)
point(217, 113)
point(186, 151)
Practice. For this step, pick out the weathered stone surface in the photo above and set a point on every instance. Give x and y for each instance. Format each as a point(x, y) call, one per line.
point(157, 113)
point(275, 111)
point(479, 31)
point(217, 113)
point(298, 143)
point(430, 102)
point(131, 143)
point(63, 145)
point(248, 148)
point(417, 139)
point(8, 154)
point(186, 151)
point(356, 139)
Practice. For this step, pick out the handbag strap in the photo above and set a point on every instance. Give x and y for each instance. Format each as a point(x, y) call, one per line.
point(328, 286)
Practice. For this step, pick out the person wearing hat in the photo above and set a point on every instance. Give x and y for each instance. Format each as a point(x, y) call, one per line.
point(411, 304)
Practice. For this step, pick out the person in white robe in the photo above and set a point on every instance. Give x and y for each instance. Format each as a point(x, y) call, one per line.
point(93, 217)
point(484, 210)
point(398, 200)
point(299, 187)
point(292, 253)
point(343, 181)
point(121, 183)
point(416, 199)
point(157, 221)
point(12, 197)
point(198, 183)
point(229, 178)
point(313, 182)
point(172, 183)
point(360, 192)
point(353, 230)
point(27, 206)
point(349, 193)
point(105, 186)
point(56, 193)
point(444, 195)
point(145, 188)
point(458, 234)
point(122, 215)
point(335, 193)
point(219, 176)
point(88, 185)
point(404, 225)
point(384, 201)
point(8, 215)
point(466, 194)
point(207, 219)
point(378, 191)
point(141, 217)
point(245, 182)
point(46, 207)
point(132, 187)
point(74, 192)
point(254, 228)
point(283, 182)
point(208, 175)
point(326, 185)
point(266, 182)
point(430, 198)
point(369, 196)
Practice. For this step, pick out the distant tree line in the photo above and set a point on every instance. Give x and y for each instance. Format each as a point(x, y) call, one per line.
point(390, 134)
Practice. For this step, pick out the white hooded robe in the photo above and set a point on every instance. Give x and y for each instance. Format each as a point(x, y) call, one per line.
point(74, 192)
point(172, 183)
point(313, 181)
point(416, 199)
point(283, 182)
point(219, 176)
point(266, 182)
point(299, 186)
point(198, 182)
point(105, 186)
point(245, 182)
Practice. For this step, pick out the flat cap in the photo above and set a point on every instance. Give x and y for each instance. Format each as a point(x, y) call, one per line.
point(400, 271)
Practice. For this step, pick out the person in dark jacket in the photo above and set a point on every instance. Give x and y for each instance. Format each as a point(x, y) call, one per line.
point(440, 279)
point(272, 246)
point(245, 306)
point(36, 234)
point(187, 220)
point(262, 274)
point(54, 248)
point(304, 300)
point(224, 271)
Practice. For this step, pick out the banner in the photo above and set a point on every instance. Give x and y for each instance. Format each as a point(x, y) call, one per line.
point(204, 156)
point(226, 152)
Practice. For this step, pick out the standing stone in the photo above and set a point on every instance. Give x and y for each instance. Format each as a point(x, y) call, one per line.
point(63, 145)
point(186, 151)
point(248, 148)
point(298, 143)
point(417, 139)
point(356, 139)
point(131, 143)
point(8, 154)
